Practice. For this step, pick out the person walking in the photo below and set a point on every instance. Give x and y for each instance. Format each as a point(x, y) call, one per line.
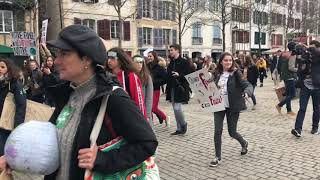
point(275, 68)
point(9, 82)
point(177, 90)
point(262, 67)
point(234, 89)
point(288, 75)
point(147, 84)
point(34, 82)
point(159, 77)
point(121, 65)
point(251, 74)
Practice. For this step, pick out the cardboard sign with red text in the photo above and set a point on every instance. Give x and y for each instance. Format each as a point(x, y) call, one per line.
point(206, 93)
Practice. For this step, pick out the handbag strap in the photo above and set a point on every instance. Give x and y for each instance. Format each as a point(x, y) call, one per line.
point(100, 118)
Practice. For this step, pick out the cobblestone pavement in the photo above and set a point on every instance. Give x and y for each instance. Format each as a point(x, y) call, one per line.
point(274, 153)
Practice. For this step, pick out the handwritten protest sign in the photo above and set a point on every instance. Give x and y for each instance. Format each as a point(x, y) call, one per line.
point(24, 43)
point(206, 92)
point(44, 31)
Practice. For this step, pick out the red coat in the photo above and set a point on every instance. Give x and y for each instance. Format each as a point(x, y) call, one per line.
point(132, 85)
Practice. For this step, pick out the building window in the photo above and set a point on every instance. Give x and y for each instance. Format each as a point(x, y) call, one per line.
point(242, 36)
point(166, 36)
point(276, 39)
point(260, 18)
point(290, 22)
point(196, 30)
point(146, 33)
point(6, 21)
point(261, 1)
point(166, 10)
point(146, 7)
point(115, 28)
point(87, 1)
point(216, 34)
point(261, 39)
point(214, 5)
point(90, 23)
point(197, 4)
point(240, 15)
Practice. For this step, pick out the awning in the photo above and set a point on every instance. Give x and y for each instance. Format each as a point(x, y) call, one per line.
point(5, 49)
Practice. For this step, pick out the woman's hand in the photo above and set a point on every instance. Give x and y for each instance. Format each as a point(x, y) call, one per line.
point(4, 165)
point(87, 157)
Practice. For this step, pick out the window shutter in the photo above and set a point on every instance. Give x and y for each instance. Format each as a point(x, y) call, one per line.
point(174, 36)
point(140, 37)
point(77, 21)
point(160, 16)
point(256, 38)
point(173, 5)
point(100, 29)
point(155, 37)
point(263, 38)
point(155, 9)
point(104, 29)
point(126, 30)
point(139, 9)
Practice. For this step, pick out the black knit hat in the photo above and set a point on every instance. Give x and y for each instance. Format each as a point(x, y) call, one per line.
point(291, 46)
point(83, 40)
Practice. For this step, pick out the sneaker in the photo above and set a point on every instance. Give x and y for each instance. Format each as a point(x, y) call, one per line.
point(296, 133)
point(261, 85)
point(167, 122)
point(314, 130)
point(177, 133)
point(253, 107)
point(278, 109)
point(184, 129)
point(291, 113)
point(244, 149)
point(215, 162)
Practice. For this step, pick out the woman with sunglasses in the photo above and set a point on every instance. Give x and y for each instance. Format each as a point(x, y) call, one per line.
point(121, 65)
point(147, 85)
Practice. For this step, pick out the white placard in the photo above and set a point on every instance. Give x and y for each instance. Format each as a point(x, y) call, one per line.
point(24, 43)
point(145, 53)
point(44, 31)
point(206, 93)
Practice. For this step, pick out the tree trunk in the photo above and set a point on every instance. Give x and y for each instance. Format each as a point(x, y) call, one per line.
point(224, 37)
point(180, 30)
point(120, 29)
point(259, 36)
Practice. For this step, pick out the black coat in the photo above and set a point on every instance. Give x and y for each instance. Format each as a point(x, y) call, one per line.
point(19, 97)
point(315, 67)
point(236, 87)
point(158, 74)
point(179, 84)
point(274, 64)
point(127, 121)
point(253, 74)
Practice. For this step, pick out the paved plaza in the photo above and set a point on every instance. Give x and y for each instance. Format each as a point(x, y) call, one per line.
point(274, 153)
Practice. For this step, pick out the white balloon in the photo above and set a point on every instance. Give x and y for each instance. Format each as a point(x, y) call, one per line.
point(33, 148)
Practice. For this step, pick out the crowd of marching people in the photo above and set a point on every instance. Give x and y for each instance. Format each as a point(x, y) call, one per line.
point(77, 72)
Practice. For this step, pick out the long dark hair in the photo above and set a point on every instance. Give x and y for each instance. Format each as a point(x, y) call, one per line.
point(219, 68)
point(155, 56)
point(124, 60)
point(13, 70)
point(144, 74)
point(248, 61)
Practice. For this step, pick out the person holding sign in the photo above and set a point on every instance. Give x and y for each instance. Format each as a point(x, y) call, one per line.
point(234, 89)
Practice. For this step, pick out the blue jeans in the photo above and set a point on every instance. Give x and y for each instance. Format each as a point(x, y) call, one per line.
point(180, 120)
point(290, 94)
point(304, 98)
point(253, 97)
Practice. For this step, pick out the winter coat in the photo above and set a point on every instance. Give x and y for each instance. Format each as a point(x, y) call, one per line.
point(236, 87)
point(288, 70)
point(274, 64)
point(127, 121)
point(16, 89)
point(253, 75)
point(179, 84)
point(315, 67)
point(159, 75)
point(147, 90)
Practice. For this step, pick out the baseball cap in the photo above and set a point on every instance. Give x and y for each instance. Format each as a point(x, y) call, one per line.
point(83, 40)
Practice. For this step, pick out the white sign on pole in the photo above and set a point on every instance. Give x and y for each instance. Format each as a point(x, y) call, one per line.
point(145, 53)
point(44, 31)
point(206, 93)
point(24, 43)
